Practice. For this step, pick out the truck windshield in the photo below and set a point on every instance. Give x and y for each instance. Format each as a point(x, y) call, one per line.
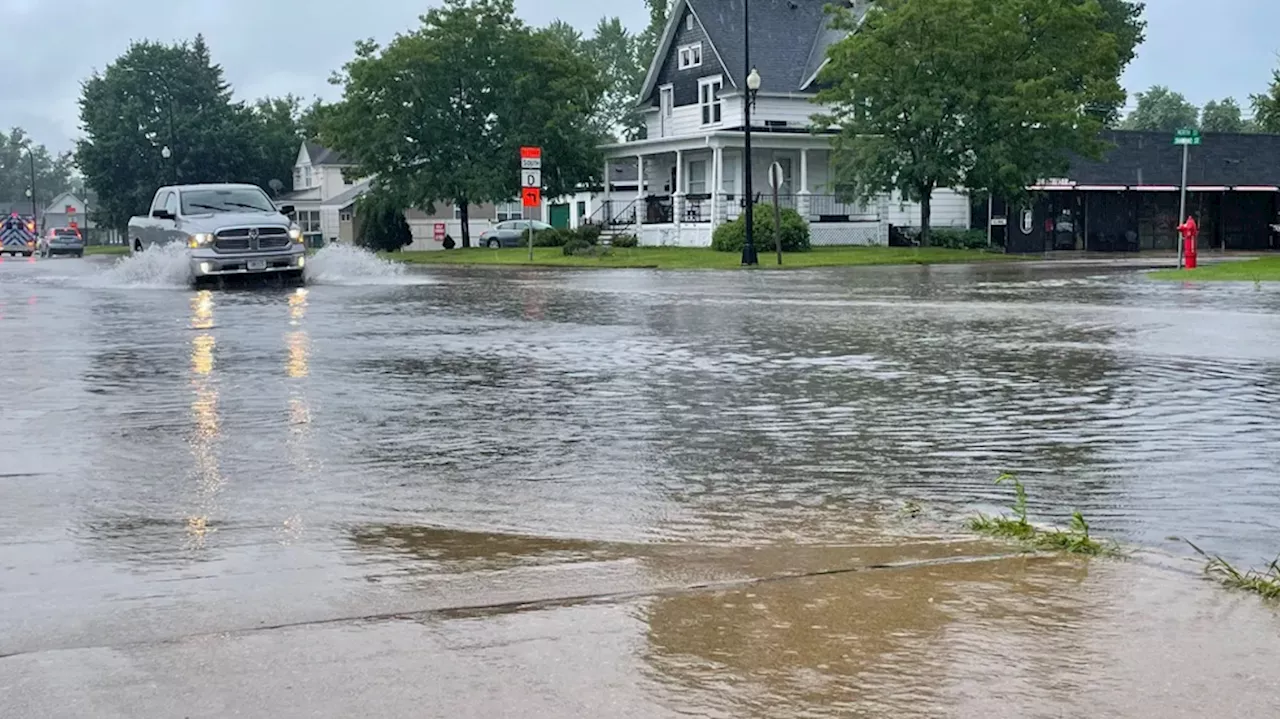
point(240, 199)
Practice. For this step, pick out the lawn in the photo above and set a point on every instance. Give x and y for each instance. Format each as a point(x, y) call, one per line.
point(686, 258)
point(1264, 269)
point(106, 250)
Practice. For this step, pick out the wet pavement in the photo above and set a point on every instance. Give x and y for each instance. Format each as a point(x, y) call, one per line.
point(523, 493)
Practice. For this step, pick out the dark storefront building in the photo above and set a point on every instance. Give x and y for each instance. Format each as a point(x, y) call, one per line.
point(1128, 201)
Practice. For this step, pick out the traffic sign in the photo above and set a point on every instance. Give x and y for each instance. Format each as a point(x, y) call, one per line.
point(1187, 136)
point(531, 178)
point(775, 175)
point(531, 197)
point(438, 232)
point(531, 158)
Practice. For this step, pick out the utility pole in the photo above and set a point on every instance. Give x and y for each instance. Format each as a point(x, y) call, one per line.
point(32, 159)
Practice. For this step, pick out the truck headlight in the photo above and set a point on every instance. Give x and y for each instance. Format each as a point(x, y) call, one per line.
point(295, 234)
point(200, 239)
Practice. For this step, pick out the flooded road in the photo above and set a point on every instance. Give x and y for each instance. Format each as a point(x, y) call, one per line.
point(628, 493)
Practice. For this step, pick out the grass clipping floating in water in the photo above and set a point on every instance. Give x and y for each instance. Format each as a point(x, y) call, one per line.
point(1265, 583)
point(1075, 539)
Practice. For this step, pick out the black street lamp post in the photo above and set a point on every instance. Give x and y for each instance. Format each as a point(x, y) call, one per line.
point(751, 85)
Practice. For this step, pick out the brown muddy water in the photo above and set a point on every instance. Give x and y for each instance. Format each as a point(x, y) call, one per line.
point(471, 493)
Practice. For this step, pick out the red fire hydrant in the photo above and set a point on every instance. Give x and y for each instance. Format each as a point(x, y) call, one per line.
point(1190, 233)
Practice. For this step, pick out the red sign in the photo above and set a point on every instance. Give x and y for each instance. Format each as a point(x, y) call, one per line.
point(531, 153)
point(438, 232)
point(532, 197)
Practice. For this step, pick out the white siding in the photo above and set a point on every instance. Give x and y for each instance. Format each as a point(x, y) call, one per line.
point(329, 223)
point(795, 111)
point(950, 209)
point(687, 120)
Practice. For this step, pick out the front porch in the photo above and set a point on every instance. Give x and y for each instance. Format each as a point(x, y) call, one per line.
point(691, 185)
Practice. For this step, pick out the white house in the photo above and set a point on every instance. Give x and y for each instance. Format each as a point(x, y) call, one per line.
point(692, 162)
point(319, 175)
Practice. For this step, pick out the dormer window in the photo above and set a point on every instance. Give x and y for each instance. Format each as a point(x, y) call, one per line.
point(690, 55)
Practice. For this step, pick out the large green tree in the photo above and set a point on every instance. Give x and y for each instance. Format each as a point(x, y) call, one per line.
point(17, 153)
point(1266, 106)
point(157, 96)
point(440, 113)
point(278, 133)
point(614, 51)
point(380, 222)
point(1161, 109)
point(1224, 116)
point(999, 93)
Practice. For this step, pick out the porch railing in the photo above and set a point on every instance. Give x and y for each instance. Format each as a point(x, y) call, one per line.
point(614, 215)
point(830, 208)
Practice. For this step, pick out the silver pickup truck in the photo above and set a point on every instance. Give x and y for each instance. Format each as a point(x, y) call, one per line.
point(227, 229)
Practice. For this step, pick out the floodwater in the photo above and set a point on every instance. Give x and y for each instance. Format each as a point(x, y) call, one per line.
point(535, 493)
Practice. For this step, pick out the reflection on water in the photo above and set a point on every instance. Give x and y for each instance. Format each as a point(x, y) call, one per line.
point(297, 367)
point(205, 439)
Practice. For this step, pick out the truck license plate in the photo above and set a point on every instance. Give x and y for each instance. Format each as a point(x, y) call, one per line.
point(257, 264)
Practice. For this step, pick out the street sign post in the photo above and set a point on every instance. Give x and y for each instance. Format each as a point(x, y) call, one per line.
point(1185, 137)
point(531, 183)
point(775, 181)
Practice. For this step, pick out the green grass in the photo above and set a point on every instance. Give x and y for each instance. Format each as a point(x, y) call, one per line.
point(1264, 269)
point(1265, 583)
point(1075, 539)
point(687, 258)
point(106, 250)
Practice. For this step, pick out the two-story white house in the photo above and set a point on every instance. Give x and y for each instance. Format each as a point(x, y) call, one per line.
point(692, 161)
point(320, 176)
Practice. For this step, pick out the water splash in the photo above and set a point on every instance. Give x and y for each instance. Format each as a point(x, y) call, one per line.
point(347, 265)
point(160, 267)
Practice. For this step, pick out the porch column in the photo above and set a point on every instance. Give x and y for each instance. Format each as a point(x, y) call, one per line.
point(677, 192)
point(604, 200)
point(717, 180)
point(641, 214)
point(802, 201)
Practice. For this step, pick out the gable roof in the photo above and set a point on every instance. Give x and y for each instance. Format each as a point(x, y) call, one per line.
point(789, 39)
point(344, 200)
point(321, 155)
point(59, 203)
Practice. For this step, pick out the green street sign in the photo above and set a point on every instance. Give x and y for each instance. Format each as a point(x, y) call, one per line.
point(1189, 136)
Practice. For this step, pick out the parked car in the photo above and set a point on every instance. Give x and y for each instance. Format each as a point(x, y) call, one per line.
point(227, 230)
point(61, 241)
point(510, 233)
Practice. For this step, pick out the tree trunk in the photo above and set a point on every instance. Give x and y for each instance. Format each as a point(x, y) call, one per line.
point(926, 214)
point(465, 216)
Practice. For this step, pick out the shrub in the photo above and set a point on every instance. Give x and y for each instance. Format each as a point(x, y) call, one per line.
point(577, 246)
point(958, 239)
point(730, 236)
point(625, 241)
point(554, 237)
point(589, 234)
point(448, 243)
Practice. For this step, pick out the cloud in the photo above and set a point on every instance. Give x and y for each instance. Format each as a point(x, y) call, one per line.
point(266, 47)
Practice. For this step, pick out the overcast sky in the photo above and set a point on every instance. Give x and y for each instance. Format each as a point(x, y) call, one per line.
point(1206, 50)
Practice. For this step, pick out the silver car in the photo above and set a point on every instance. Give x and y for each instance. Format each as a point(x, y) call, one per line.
point(510, 233)
point(61, 241)
point(227, 229)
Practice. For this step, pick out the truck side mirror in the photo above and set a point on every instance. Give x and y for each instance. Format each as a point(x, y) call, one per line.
point(162, 215)
point(286, 209)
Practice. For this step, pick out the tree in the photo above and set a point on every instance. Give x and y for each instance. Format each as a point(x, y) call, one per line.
point(441, 112)
point(17, 151)
point(156, 96)
point(1124, 20)
point(613, 50)
point(1161, 109)
point(999, 94)
point(1266, 106)
point(278, 134)
point(1224, 116)
point(381, 225)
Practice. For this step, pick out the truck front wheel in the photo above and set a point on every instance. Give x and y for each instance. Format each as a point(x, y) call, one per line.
point(137, 246)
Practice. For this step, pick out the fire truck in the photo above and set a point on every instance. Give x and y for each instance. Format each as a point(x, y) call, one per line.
point(18, 235)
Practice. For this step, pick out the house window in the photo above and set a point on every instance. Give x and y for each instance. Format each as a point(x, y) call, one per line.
point(297, 178)
point(709, 99)
point(457, 212)
point(308, 220)
point(582, 210)
point(345, 215)
point(306, 176)
point(690, 55)
point(510, 211)
point(688, 21)
point(697, 177)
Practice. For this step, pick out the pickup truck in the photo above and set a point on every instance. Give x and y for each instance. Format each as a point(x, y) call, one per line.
point(228, 230)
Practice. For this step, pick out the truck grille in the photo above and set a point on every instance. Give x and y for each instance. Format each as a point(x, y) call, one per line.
point(237, 239)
